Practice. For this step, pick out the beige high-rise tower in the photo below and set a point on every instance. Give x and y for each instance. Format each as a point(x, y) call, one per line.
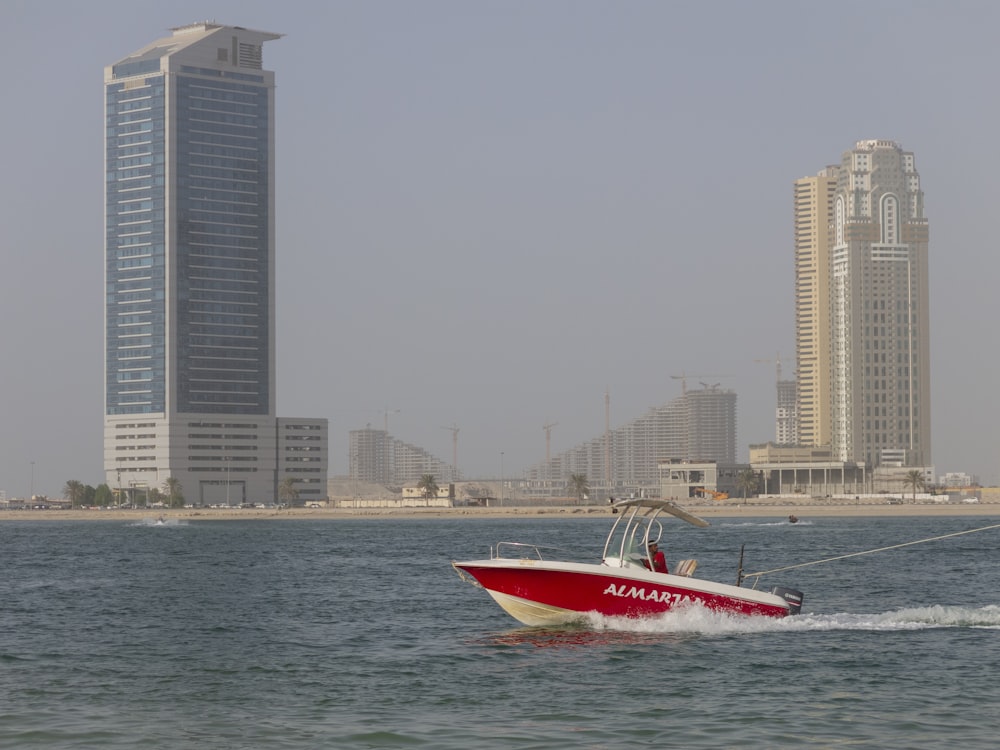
point(862, 308)
point(814, 371)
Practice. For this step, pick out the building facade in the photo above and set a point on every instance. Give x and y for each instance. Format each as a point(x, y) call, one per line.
point(786, 419)
point(189, 267)
point(862, 308)
point(880, 306)
point(303, 456)
point(699, 425)
point(813, 218)
point(375, 456)
point(693, 481)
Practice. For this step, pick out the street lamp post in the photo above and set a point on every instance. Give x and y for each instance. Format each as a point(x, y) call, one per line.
point(31, 490)
point(501, 479)
point(227, 481)
point(385, 423)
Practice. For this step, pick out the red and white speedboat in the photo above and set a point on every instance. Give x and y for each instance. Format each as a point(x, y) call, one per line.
point(537, 589)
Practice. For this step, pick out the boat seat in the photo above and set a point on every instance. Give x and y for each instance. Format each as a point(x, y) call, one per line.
point(685, 567)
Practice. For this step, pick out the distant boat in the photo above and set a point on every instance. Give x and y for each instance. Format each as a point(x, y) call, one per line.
point(793, 519)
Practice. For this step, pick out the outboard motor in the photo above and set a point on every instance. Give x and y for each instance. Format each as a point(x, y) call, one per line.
point(793, 597)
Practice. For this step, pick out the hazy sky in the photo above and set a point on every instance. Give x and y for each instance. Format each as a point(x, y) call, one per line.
point(491, 212)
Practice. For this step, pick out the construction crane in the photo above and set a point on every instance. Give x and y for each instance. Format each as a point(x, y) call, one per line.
point(454, 449)
point(777, 365)
point(548, 439)
point(684, 376)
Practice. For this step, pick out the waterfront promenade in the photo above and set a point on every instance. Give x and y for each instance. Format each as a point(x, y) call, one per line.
point(754, 508)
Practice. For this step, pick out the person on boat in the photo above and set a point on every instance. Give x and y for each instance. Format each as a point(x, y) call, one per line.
point(659, 559)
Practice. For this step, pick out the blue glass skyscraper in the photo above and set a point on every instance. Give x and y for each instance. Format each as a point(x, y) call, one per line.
point(190, 259)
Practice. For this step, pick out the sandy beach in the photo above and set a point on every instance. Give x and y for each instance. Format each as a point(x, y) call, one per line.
point(803, 511)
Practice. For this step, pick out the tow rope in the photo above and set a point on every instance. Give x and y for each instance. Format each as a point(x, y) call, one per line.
point(870, 551)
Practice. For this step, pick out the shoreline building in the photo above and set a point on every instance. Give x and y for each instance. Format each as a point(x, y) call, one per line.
point(786, 420)
point(189, 275)
point(699, 425)
point(862, 308)
point(375, 456)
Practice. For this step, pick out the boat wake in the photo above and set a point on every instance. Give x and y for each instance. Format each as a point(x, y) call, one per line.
point(744, 524)
point(698, 620)
point(159, 522)
point(680, 624)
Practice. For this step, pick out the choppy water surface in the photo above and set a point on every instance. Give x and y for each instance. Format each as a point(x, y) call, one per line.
point(358, 634)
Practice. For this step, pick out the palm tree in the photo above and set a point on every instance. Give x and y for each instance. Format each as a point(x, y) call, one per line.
point(915, 479)
point(579, 487)
point(75, 492)
point(746, 480)
point(427, 486)
point(172, 487)
point(287, 492)
point(103, 495)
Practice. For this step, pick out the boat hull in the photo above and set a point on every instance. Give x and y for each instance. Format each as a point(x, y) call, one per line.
point(537, 592)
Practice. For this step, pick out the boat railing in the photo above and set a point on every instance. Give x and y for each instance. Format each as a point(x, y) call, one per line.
point(523, 551)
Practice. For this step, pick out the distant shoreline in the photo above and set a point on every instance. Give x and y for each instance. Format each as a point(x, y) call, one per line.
point(802, 511)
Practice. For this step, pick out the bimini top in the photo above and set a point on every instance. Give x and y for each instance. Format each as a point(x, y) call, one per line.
point(662, 506)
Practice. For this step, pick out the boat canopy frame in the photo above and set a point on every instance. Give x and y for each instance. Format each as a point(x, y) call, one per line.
point(639, 528)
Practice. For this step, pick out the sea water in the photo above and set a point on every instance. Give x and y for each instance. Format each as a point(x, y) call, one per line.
point(359, 634)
